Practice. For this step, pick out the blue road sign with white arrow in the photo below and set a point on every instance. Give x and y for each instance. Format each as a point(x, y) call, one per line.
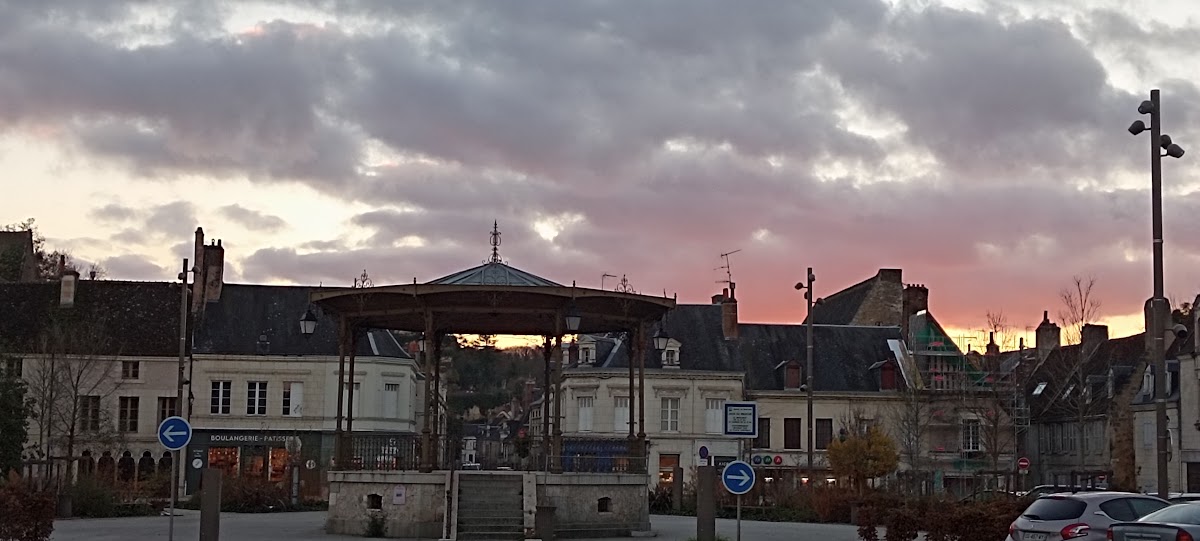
point(738, 477)
point(174, 433)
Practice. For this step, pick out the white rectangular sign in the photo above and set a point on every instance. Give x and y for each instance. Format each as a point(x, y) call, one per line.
point(741, 419)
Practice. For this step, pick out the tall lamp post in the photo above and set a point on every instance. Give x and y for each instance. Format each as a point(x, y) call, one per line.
point(1159, 142)
point(807, 286)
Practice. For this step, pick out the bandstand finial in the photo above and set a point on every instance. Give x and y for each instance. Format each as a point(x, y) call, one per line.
point(495, 242)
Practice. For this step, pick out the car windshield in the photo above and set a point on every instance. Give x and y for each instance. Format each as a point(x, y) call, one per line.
point(1184, 513)
point(1054, 508)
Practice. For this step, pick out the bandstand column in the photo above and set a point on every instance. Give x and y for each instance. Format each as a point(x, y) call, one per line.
point(426, 430)
point(352, 346)
point(632, 444)
point(556, 460)
point(338, 445)
point(639, 347)
point(547, 353)
point(436, 360)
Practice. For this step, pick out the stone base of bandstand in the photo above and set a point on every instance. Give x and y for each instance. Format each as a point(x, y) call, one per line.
point(416, 505)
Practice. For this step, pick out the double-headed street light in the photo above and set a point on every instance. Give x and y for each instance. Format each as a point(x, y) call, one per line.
point(807, 286)
point(1160, 145)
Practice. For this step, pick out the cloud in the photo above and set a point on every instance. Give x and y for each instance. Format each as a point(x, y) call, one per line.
point(134, 267)
point(984, 152)
point(114, 212)
point(252, 219)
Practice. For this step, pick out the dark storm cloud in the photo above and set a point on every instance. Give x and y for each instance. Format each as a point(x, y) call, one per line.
point(661, 136)
point(252, 219)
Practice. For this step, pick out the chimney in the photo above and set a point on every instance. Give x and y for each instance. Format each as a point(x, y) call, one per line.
point(720, 297)
point(890, 275)
point(527, 394)
point(214, 271)
point(729, 314)
point(993, 348)
point(198, 277)
point(791, 375)
point(916, 298)
point(1093, 334)
point(1048, 336)
point(68, 281)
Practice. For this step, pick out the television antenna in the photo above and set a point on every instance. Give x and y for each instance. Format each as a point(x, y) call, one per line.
point(727, 267)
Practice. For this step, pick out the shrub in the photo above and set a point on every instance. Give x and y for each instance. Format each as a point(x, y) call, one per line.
point(832, 504)
point(245, 495)
point(28, 515)
point(903, 524)
point(661, 500)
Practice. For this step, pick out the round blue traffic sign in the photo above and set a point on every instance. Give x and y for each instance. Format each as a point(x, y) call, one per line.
point(738, 477)
point(174, 433)
point(704, 452)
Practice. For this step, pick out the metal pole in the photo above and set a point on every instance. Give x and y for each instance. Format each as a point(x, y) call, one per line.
point(739, 517)
point(1158, 351)
point(808, 370)
point(183, 315)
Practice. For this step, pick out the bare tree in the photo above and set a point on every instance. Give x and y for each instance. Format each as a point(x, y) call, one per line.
point(1079, 307)
point(72, 382)
point(988, 398)
point(910, 419)
point(1004, 333)
point(1073, 396)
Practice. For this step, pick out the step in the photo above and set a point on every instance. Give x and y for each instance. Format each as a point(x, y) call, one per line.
point(490, 536)
point(489, 495)
point(492, 525)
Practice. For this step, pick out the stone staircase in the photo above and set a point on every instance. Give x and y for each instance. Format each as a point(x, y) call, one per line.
point(490, 506)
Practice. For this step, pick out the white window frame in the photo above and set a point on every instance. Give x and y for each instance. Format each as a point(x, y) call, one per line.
point(621, 414)
point(714, 416)
point(220, 401)
point(293, 399)
point(669, 413)
point(972, 435)
point(256, 398)
point(586, 412)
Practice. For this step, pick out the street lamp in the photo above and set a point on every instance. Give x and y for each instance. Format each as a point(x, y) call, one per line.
point(661, 339)
point(572, 318)
point(1159, 142)
point(807, 286)
point(308, 323)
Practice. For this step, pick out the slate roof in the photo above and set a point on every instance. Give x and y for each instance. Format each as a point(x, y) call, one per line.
point(1121, 355)
point(233, 325)
point(841, 307)
point(842, 355)
point(110, 317)
point(494, 273)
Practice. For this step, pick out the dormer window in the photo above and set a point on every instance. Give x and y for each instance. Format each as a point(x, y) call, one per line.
point(587, 354)
point(1148, 382)
point(1040, 387)
point(670, 355)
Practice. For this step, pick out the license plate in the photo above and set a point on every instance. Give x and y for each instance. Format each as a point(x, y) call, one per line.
point(1031, 536)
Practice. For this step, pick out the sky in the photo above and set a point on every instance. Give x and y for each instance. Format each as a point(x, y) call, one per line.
point(980, 146)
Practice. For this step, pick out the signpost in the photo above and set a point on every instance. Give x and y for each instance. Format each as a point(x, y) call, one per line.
point(741, 419)
point(1023, 465)
point(174, 433)
point(738, 478)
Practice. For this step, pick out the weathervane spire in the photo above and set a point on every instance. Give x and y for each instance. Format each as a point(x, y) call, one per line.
point(495, 242)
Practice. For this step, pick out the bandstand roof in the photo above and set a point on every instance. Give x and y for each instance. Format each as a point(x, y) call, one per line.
point(493, 298)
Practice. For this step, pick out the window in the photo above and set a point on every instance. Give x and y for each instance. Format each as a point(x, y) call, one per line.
point(222, 395)
point(1147, 435)
point(166, 408)
point(391, 400)
point(89, 413)
point(13, 367)
point(1056, 508)
point(670, 415)
point(714, 416)
point(1040, 387)
point(293, 398)
point(970, 435)
point(824, 433)
point(670, 357)
point(764, 433)
point(256, 398)
point(585, 413)
point(586, 355)
point(666, 469)
point(127, 419)
point(130, 369)
point(1119, 509)
point(792, 429)
point(621, 414)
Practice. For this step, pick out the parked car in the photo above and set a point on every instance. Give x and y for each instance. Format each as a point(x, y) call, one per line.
point(1042, 490)
point(1179, 522)
point(1080, 516)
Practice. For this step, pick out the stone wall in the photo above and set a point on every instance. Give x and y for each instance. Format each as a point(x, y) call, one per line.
point(580, 512)
point(419, 514)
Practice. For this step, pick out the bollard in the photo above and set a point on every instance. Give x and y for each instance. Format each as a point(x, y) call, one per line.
point(210, 505)
point(677, 488)
point(706, 504)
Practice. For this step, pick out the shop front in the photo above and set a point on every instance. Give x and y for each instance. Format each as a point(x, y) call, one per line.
point(257, 456)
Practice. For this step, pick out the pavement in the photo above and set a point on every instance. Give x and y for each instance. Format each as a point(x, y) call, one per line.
point(310, 527)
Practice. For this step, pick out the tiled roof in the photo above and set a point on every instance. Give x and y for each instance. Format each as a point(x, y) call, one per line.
point(842, 355)
point(491, 274)
point(233, 325)
point(109, 317)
